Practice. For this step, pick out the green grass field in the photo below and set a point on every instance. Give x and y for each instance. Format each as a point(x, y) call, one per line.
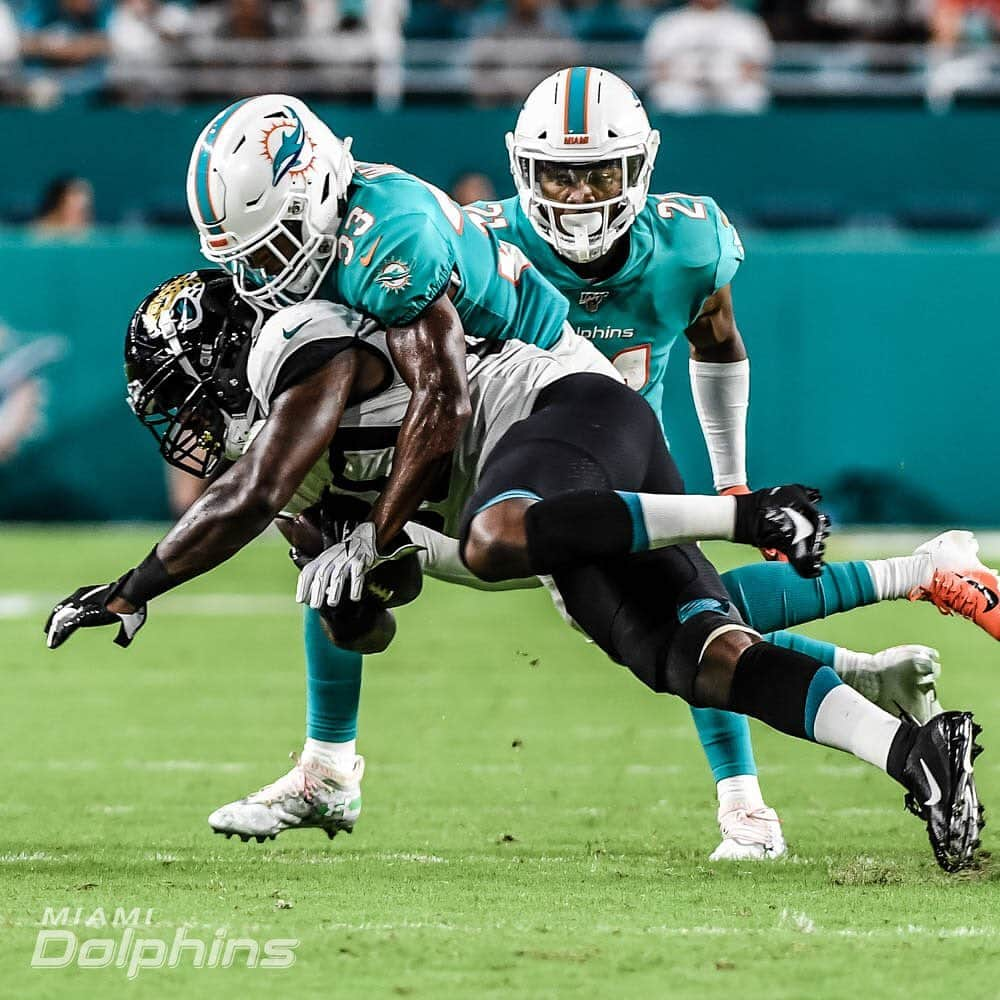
point(536, 823)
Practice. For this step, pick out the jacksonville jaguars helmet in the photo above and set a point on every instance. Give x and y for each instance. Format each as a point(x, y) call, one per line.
point(185, 364)
point(583, 120)
point(265, 186)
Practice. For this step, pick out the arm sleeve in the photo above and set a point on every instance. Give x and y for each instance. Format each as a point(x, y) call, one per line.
point(721, 399)
point(409, 270)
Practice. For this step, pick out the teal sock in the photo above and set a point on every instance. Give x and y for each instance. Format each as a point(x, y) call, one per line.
point(825, 652)
point(773, 596)
point(725, 738)
point(333, 685)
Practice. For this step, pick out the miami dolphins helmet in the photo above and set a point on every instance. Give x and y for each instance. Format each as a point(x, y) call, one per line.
point(582, 128)
point(264, 187)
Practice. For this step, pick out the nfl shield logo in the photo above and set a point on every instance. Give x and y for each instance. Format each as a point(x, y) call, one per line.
point(592, 301)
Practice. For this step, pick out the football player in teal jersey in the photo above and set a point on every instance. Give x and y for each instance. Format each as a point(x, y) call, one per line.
point(280, 203)
point(641, 271)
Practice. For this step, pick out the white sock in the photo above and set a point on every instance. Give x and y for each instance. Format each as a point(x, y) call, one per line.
point(848, 721)
point(895, 578)
point(672, 519)
point(741, 789)
point(846, 661)
point(339, 756)
point(858, 670)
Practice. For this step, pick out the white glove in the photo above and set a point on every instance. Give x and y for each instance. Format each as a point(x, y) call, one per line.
point(322, 581)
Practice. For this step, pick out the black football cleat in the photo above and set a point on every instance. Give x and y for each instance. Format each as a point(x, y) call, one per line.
point(942, 787)
point(785, 518)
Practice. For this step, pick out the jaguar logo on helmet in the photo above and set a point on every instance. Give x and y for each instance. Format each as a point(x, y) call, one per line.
point(287, 149)
point(394, 276)
point(176, 306)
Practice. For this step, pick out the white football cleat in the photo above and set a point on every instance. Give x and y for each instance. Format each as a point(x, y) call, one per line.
point(901, 677)
point(310, 795)
point(954, 551)
point(749, 834)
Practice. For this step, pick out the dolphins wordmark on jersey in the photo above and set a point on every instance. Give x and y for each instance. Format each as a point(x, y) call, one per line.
point(682, 250)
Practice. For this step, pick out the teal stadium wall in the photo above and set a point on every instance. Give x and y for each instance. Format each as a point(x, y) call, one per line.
point(874, 353)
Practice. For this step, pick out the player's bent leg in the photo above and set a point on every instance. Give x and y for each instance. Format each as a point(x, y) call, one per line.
point(799, 696)
point(946, 571)
point(495, 546)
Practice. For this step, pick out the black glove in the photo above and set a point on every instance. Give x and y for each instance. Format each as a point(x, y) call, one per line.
point(86, 608)
point(785, 518)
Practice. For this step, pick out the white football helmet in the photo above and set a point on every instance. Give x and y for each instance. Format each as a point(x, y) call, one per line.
point(583, 117)
point(264, 188)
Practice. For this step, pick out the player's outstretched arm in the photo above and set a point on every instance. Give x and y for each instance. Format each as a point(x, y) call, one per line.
point(236, 508)
point(430, 356)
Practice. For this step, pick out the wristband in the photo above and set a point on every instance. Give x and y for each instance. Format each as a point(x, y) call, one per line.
point(148, 580)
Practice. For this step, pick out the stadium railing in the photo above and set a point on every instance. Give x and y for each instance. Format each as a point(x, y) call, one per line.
point(388, 70)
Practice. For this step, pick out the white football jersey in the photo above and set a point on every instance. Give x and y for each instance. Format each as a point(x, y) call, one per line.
point(505, 378)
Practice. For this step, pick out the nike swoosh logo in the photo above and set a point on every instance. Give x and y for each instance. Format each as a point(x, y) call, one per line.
point(935, 796)
point(992, 600)
point(367, 259)
point(803, 528)
point(288, 334)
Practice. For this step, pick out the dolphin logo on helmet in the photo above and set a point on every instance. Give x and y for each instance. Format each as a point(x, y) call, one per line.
point(270, 220)
point(289, 152)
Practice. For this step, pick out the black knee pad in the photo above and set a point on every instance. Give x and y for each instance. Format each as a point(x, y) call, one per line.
point(577, 527)
point(683, 657)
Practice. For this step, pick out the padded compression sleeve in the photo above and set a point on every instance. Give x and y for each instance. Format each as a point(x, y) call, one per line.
point(721, 397)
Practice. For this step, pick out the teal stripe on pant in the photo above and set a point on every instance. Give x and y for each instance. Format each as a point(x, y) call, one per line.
point(333, 685)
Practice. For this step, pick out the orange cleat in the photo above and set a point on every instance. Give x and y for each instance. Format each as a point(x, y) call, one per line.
point(973, 594)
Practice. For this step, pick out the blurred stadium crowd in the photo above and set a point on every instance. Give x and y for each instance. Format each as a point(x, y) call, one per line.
point(695, 56)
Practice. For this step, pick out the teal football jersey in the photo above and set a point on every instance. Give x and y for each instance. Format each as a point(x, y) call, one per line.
point(403, 241)
point(683, 249)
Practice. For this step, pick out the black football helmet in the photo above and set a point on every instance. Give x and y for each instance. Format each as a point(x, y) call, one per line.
point(186, 367)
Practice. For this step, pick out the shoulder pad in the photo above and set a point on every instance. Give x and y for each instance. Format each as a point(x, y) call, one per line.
point(289, 330)
point(401, 268)
point(699, 233)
